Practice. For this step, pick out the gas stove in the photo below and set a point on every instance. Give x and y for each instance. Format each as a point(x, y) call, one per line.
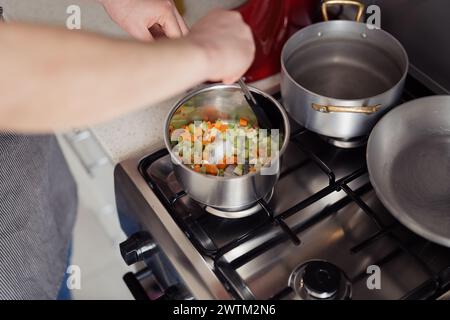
point(323, 234)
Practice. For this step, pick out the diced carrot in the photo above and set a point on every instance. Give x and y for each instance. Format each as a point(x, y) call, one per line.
point(223, 127)
point(217, 125)
point(221, 166)
point(243, 122)
point(211, 169)
point(210, 112)
point(197, 168)
point(209, 125)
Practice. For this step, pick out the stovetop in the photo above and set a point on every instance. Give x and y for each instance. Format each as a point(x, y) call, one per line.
point(323, 208)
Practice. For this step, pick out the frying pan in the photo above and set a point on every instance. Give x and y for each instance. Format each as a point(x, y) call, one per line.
point(408, 158)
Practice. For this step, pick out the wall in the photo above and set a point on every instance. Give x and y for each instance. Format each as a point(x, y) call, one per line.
point(423, 27)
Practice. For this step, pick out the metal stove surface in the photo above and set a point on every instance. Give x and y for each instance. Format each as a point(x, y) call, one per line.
point(334, 238)
point(323, 208)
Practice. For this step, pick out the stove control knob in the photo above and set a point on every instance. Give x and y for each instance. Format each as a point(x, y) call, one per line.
point(137, 248)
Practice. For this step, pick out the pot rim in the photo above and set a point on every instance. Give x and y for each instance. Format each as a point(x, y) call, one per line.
point(345, 101)
point(220, 86)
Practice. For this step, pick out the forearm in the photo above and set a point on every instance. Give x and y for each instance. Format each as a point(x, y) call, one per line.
point(56, 79)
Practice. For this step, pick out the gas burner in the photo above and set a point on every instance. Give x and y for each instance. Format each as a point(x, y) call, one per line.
point(241, 212)
point(320, 280)
point(346, 144)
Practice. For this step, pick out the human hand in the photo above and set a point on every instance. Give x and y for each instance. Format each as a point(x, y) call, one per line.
point(138, 16)
point(228, 43)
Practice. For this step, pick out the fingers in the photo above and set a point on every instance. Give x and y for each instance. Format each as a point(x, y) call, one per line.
point(172, 22)
point(169, 21)
point(170, 25)
point(141, 33)
point(181, 22)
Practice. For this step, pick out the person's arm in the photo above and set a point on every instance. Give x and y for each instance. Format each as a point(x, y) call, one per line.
point(55, 79)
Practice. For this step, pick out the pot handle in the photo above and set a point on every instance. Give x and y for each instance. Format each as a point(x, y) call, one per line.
point(327, 4)
point(363, 109)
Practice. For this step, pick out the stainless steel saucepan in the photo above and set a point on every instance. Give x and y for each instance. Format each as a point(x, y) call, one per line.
point(340, 77)
point(408, 158)
point(226, 102)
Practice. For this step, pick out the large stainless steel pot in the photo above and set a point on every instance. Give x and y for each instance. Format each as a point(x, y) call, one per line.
point(340, 77)
point(225, 102)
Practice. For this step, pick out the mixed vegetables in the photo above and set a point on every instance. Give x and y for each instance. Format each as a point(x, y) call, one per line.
point(222, 147)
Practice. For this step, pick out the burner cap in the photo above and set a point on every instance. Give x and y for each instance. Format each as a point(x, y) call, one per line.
point(321, 279)
point(346, 144)
point(316, 280)
point(241, 212)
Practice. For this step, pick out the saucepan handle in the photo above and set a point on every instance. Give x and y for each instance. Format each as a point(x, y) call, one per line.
point(341, 109)
point(326, 4)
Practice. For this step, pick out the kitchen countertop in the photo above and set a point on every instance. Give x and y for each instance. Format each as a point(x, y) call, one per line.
point(133, 134)
point(139, 132)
